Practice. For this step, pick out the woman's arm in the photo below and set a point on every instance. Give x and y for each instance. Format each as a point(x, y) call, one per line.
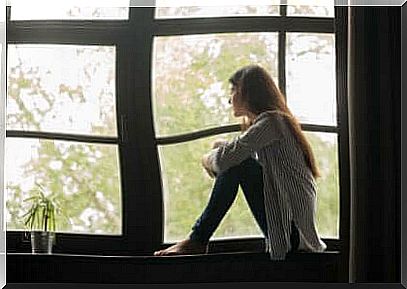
point(260, 134)
point(206, 162)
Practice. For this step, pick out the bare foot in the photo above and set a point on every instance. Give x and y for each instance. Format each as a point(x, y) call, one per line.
point(185, 247)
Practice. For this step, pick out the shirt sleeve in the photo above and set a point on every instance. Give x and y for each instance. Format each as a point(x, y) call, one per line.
point(260, 134)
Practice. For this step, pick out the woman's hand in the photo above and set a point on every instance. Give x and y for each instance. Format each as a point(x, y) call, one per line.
point(206, 162)
point(207, 166)
point(219, 142)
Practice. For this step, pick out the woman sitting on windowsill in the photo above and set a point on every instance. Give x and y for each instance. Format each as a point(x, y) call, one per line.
point(273, 163)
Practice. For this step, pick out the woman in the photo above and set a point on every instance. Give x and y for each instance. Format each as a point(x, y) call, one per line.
point(272, 162)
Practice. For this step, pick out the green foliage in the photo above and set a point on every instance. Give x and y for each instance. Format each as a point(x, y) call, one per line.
point(43, 212)
point(326, 154)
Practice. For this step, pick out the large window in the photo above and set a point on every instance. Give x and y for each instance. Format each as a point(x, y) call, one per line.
point(190, 92)
point(69, 90)
point(112, 108)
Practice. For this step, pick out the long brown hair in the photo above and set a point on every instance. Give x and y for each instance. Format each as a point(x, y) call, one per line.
point(259, 93)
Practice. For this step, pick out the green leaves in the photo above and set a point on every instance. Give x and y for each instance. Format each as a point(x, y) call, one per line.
point(41, 214)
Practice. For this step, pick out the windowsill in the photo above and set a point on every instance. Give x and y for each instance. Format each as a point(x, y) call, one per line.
point(215, 267)
point(243, 254)
point(79, 245)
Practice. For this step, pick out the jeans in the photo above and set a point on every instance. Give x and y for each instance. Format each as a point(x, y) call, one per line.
point(248, 174)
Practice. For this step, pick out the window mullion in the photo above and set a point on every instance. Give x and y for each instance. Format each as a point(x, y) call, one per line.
point(143, 198)
point(282, 53)
point(282, 62)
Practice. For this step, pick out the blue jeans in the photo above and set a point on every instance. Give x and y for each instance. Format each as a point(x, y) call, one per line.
point(248, 174)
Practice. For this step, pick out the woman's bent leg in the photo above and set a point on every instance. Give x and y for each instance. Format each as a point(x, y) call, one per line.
point(223, 194)
point(251, 181)
point(249, 175)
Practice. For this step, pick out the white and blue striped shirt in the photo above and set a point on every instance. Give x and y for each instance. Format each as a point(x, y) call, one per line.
point(289, 187)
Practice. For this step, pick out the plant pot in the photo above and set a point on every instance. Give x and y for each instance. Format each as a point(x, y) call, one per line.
point(41, 242)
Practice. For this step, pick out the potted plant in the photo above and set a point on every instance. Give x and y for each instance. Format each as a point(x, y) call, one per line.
point(41, 220)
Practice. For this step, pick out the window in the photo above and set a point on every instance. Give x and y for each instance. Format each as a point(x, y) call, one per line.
point(67, 90)
point(192, 70)
point(115, 118)
point(310, 67)
point(190, 93)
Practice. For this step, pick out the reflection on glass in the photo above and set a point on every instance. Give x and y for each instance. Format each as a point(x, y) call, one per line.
point(190, 77)
point(187, 188)
point(325, 148)
point(70, 10)
point(85, 177)
point(61, 88)
point(164, 9)
point(311, 84)
point(318, 8)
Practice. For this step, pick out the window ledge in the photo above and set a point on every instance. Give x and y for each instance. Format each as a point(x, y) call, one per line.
point(218, 267)
point(246, 255)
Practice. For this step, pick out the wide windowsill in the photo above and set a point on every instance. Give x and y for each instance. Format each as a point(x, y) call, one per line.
point(247, 256)
point(86, 245)
point(215, 267)
point(228, 260)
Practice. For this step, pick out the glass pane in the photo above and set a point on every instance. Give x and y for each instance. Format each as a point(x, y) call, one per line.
point(70, 10)
point(325, 148)
point(62, 88)
point(314, 8)
point(85, 177)
point(187, 188)
point(190, 77)
point(165, 9)
point(311, 80)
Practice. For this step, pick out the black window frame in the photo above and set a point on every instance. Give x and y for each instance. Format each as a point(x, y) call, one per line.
point(138, 145)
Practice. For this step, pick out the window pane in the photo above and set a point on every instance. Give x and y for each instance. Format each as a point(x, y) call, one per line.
point(319, 8)
point(62, 88)
point(325, 148)
point(85, 177)
point(187, 188)
point(69, 10)
point(214, 11)
point(190, 77)
point(311, 84)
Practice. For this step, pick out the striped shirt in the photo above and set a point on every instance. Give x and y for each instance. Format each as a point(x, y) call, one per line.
point(289, 187)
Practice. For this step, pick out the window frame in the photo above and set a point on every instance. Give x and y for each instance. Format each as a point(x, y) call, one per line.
point(142, 197)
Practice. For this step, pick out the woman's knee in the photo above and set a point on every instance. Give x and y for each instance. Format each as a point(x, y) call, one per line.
point(248, 167)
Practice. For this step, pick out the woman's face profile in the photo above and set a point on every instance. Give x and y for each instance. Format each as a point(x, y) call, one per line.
point(235, 99)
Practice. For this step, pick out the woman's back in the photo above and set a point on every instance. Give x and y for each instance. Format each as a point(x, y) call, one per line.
point(289, 187)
